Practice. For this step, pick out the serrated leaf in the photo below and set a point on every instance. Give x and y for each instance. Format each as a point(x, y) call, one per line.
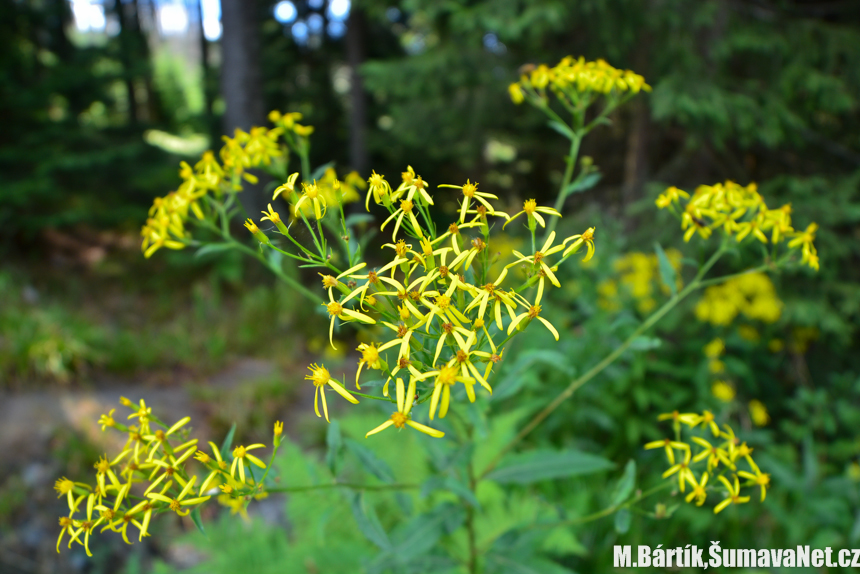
point(372, 463)
point(667, 272)
point(368, 522)
point(228, 443)
point(210, 248)
point(622, 521)
point(546, 465)
point(562, 129)
point(195, 518)
point(626, 484)
point(334, 442)
point(587, 182)
point(645, 343)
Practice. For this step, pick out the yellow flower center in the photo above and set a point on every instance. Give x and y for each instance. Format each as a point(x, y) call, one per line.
point(462, 357)
point(401, 331)
point(469, 189)
point(377, 180)
point(370, 355)
point(534, 311)
point(202, 457)
point(418, 182)
point(529, 206)
point(319, 375)
point(443, 271)
point(401, 247)
point(443, 302)
point(454, 229)
point(334, 308)
point(448, 328)
point(64, 486)
point(489, 288)
point(102, 466)
point(65, 521)
point(175, 506)
point(404, 313)
point(329, 281)
point(763, 479)
point(478, 244)
point(312, 191)
point(406, 205)
point(588, 234)
point(399, 419)
point(447, 375)
point(239, 452)
point(372, 278)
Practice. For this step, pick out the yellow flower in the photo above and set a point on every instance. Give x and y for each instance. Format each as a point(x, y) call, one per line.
point(516, 92)
point(715, 348)
point(447, 377)
point(176, 504)
point(401, 416)
point(733, 494)
point(320, 378)
point(404, 211)
point(707, 420)
point(470, 191)
point(86, 526)
point(532, 313)
point(252, 227)
point(723, 391)
point(289, 187)
point(804, 239)
point(761, 479)
point(311, 194)
point(758, 413)
point(586, 237)
point(670, 196)
point(689, 419)
point(107, 420)
point(337, 310)
point(715, 455)
point(669, 446)
point(682, 469)
point(379, 189)
point(66, 487)
point(240, 453)
point(700, 492)
point(533, 213)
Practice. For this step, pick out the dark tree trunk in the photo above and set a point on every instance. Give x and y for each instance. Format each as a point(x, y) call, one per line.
point(241, 80)
point(204, 65)
point(355, 54)
point(128, 38)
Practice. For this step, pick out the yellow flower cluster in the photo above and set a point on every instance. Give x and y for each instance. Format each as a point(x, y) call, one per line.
point(260, 147)
point(718, 458)
point(740, 212)
point(574, 76)
point(149, 477)
point(638, 274)
point(751, 295)
point(442, 319)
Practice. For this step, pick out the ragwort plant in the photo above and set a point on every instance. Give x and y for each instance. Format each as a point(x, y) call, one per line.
point(440, 310)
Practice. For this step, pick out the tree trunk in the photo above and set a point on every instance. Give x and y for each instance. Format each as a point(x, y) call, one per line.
point(359, 158)
point(241, 80)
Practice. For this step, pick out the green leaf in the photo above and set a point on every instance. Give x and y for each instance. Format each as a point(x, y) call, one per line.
point(622, 521)
point(210, 248)
point(667, 272)
point(358, 218)
point(562, 129)
point(372, 463)
point(580, 185)
point(546, 465)
point(195, 518)
point(450, 484)
point(320, 171)
point(625, 484)
point(518, 375)
point(334, 442)
point(368, 522)
point(422, 533)
point(645, 343)
point(228, 442)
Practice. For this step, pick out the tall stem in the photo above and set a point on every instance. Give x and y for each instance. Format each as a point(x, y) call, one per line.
point(608, 360)
point(565, 182)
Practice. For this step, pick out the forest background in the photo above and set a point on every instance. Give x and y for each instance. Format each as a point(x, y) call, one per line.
point(99, 101)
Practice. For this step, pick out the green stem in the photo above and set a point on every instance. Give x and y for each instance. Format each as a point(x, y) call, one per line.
point(608, 360)
point(565, 182)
